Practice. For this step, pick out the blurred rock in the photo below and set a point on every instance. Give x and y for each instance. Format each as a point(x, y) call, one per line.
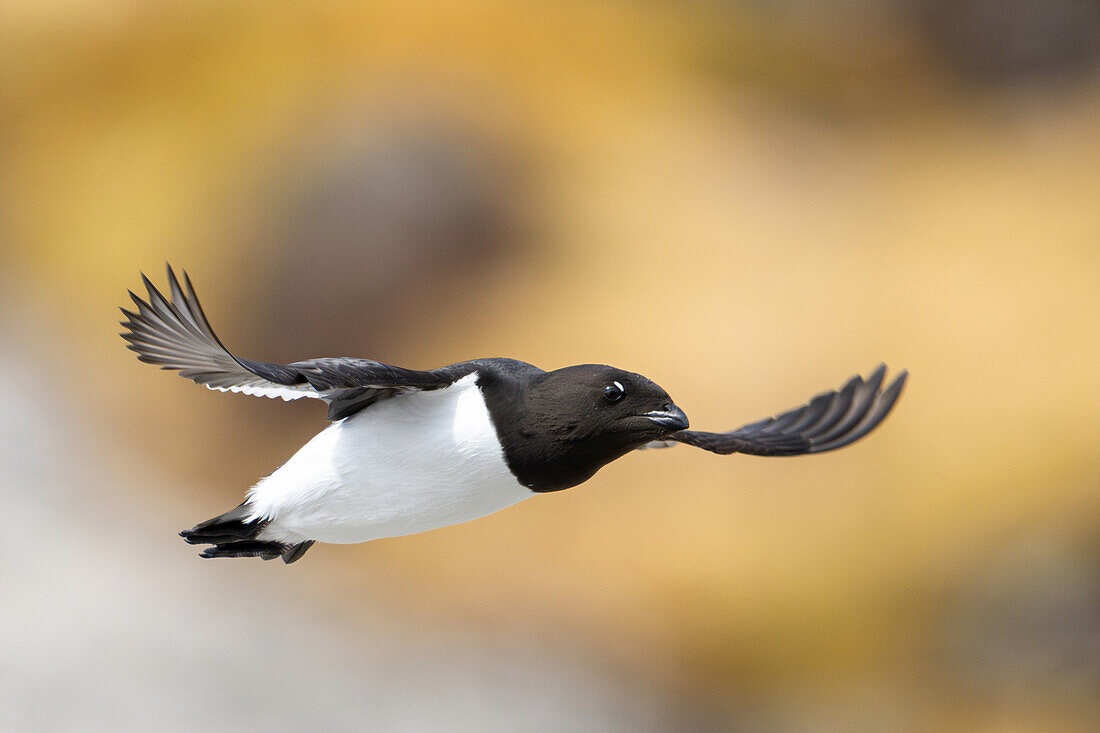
point(1025, 625)
point(381, 226)
point(1015, 41)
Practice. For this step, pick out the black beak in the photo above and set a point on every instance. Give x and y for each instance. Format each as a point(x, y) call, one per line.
point(671, 418)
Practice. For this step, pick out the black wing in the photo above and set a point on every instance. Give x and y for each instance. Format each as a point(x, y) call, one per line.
point(174, 334)
point(831, 420)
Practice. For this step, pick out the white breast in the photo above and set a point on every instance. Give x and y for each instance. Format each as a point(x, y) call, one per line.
point(408, 464)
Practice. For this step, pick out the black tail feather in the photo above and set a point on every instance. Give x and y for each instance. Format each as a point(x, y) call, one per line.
point(246, 548)
point(228, 527)
point(231, 535)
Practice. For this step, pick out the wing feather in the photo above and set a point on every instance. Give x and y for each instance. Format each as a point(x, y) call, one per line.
point(829, 421)
point(174, 333)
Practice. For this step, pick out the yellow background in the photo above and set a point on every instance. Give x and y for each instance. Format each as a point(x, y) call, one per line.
point(746, 204)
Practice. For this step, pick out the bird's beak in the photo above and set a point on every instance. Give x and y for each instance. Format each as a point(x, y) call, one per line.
point(671, 418)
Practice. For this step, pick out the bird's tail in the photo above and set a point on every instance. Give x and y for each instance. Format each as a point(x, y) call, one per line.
point(233, 535)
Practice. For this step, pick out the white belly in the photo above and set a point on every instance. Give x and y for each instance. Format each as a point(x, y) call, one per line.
point(408, 464)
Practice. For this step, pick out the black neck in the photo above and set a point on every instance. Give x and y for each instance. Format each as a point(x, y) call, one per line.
point(542, 452)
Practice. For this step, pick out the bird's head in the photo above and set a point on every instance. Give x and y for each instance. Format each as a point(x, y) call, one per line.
point(580, 418)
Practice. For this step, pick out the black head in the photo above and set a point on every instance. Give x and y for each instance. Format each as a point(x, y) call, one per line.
point(576, 420)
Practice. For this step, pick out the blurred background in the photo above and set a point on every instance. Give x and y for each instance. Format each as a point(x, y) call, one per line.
point(746, 201)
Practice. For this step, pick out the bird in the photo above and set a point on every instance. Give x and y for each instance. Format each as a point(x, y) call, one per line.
point(408, 450)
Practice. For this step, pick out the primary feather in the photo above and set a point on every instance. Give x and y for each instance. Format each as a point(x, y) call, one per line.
point(829, 421)
point(174, 334)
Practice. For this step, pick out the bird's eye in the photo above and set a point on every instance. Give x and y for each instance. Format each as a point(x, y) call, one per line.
point(613, 392)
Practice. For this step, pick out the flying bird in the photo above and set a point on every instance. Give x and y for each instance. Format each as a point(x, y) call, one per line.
point(409, 451)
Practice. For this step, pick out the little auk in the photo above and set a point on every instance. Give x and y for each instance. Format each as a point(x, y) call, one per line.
point(408, 451)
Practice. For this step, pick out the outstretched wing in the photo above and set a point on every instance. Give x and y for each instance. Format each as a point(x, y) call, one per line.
point(831, 420)
point(174, 334)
